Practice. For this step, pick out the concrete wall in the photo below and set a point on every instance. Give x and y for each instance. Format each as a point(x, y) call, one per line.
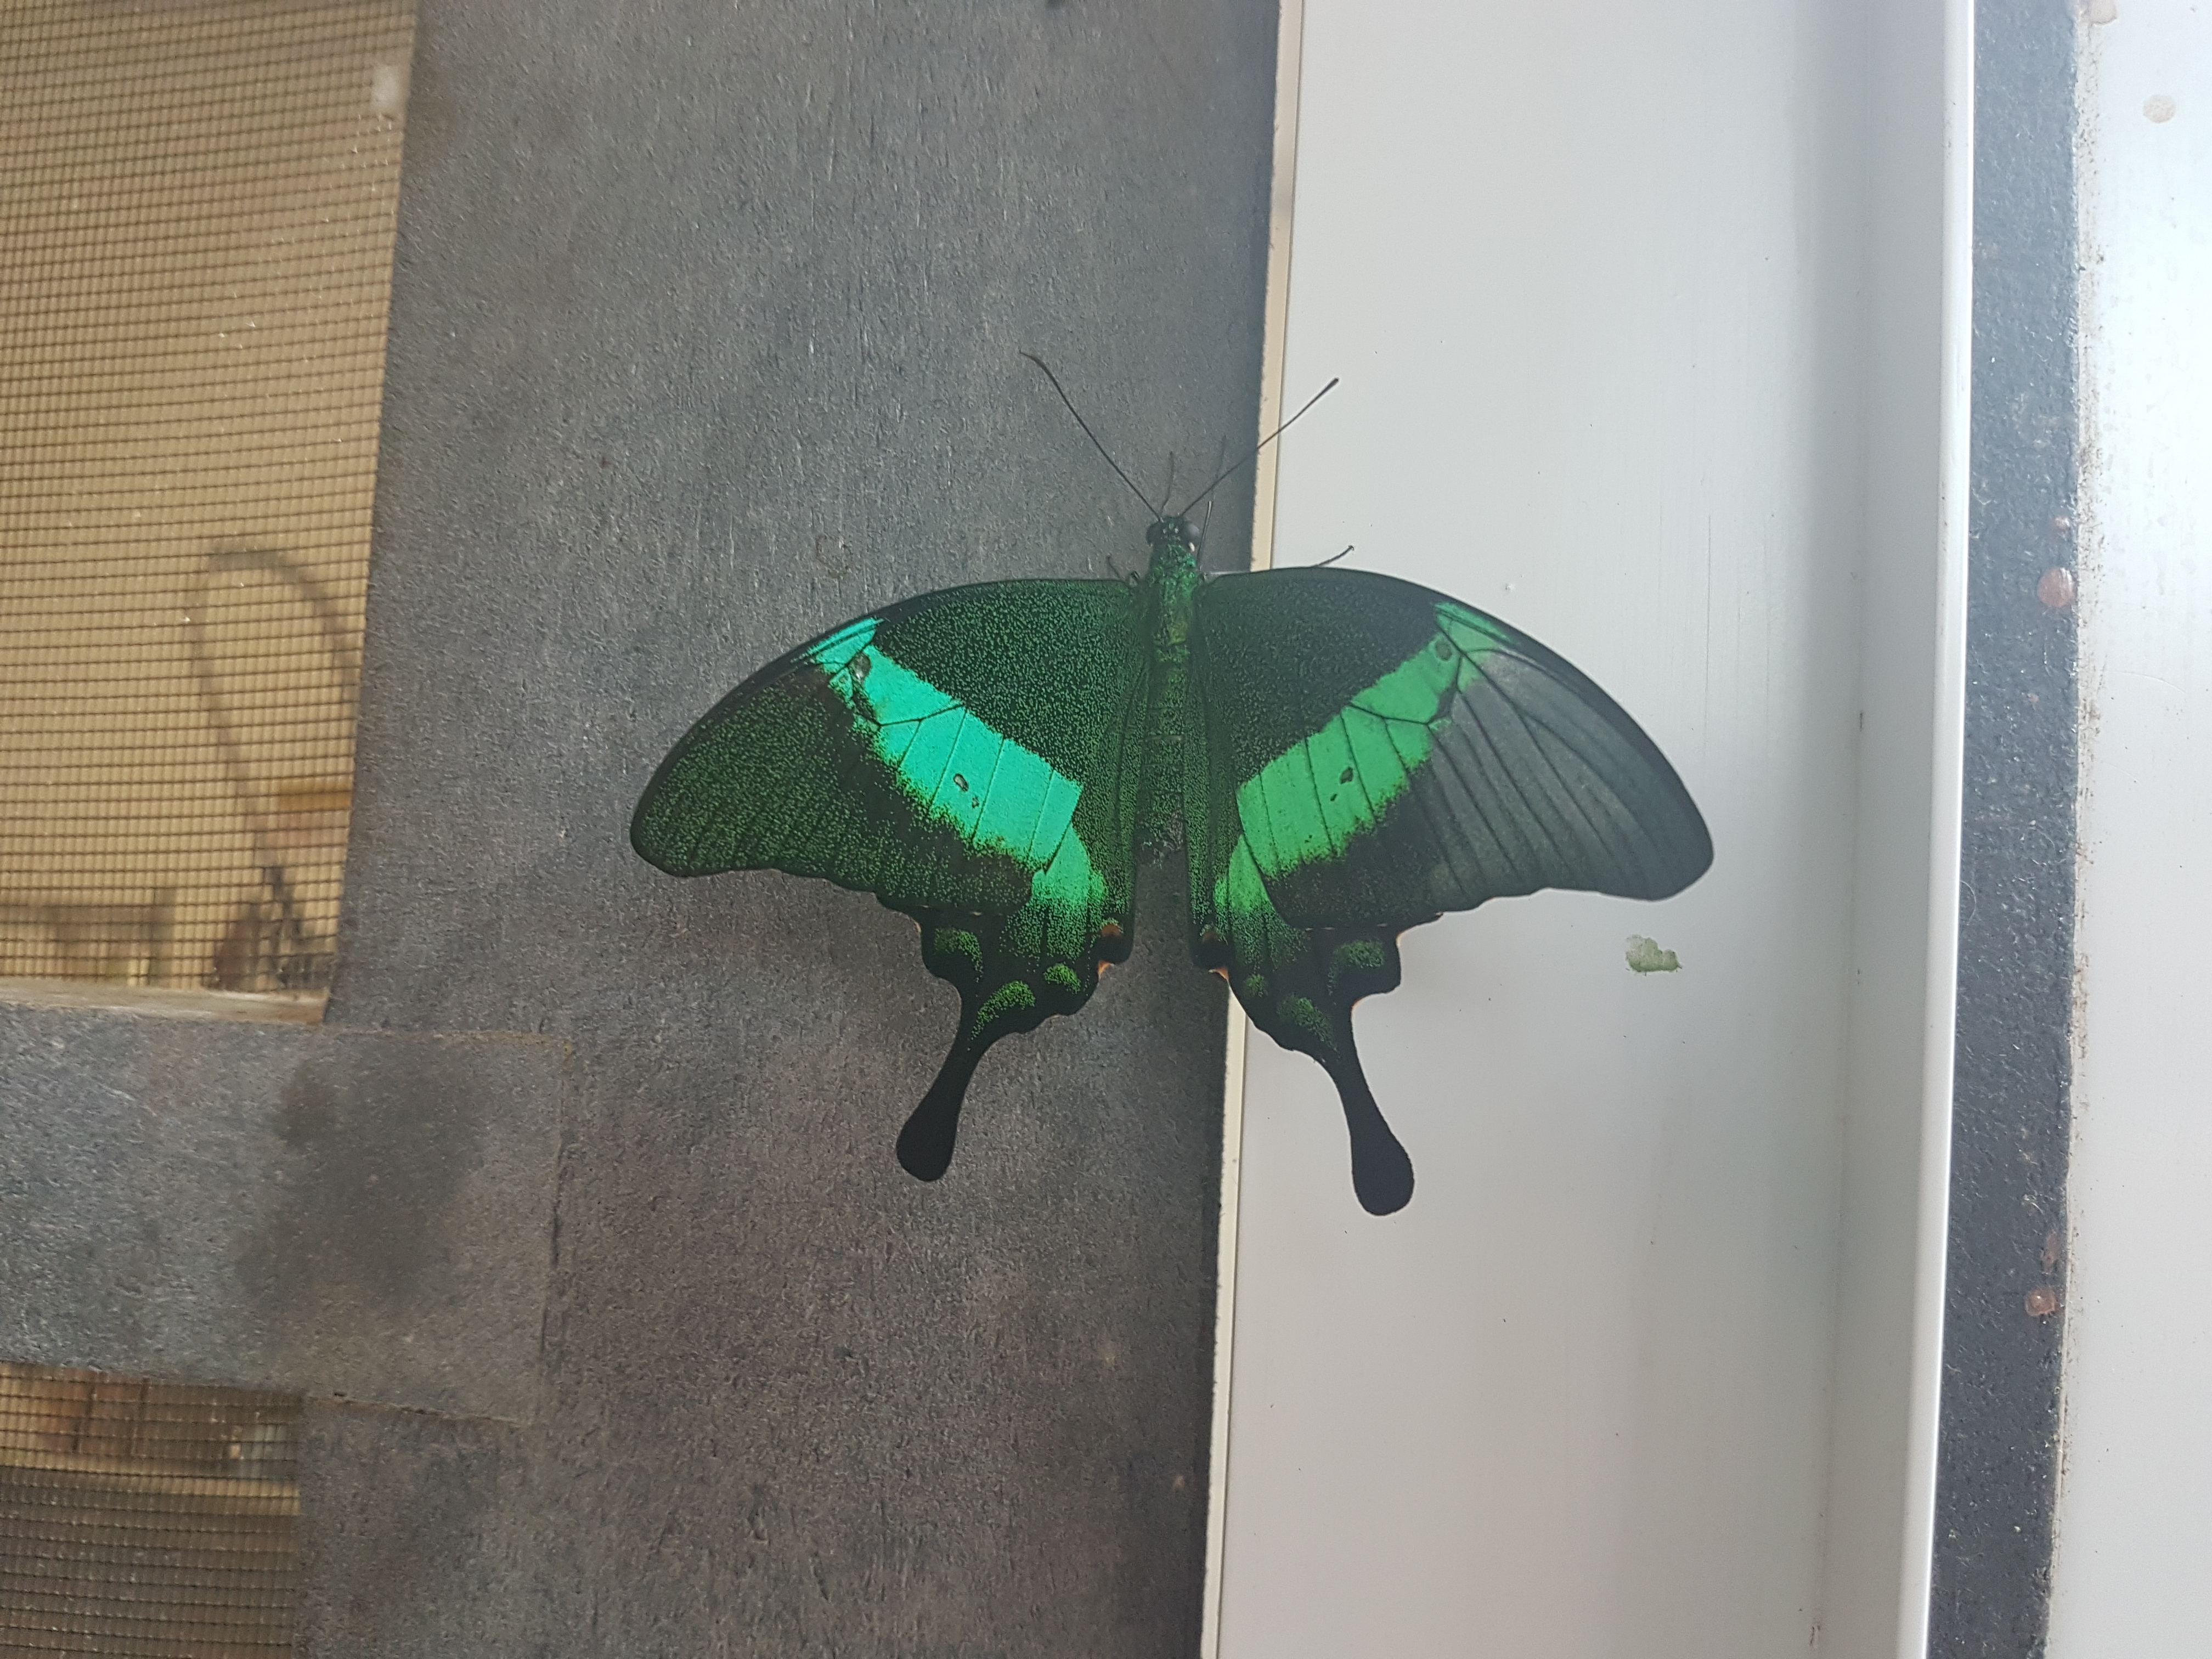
point(704, 338)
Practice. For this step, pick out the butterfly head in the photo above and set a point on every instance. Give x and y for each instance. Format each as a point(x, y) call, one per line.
point(1174, 550)
point(1172, 532)
point(1174, 528)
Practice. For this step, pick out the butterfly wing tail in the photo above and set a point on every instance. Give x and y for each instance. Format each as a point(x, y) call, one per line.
point(1382, 1174)
point(925, 1144)
point(1306, 1004)
point(1013, 973)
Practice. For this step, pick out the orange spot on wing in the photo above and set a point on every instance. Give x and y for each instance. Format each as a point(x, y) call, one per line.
point(1109, 929)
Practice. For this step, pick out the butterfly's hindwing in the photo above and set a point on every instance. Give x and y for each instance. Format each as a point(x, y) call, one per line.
point(1015, 971)
point(1299, 986)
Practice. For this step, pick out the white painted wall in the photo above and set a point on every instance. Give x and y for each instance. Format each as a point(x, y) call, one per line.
point(2134, 1514)
point(1637, 306)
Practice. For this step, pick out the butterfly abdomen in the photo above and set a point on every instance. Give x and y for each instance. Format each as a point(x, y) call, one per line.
point(1160, 820)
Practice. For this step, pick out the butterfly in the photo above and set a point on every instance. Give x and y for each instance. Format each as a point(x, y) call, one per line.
point(1342, 755)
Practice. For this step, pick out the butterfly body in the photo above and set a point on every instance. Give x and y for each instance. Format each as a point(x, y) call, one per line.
point(1342, 756)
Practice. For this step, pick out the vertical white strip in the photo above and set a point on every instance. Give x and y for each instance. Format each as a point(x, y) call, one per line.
point(1946, 821)
point(1289, 55)
point(1224, 1327)
point(2136, 1442)
point(1290, 46)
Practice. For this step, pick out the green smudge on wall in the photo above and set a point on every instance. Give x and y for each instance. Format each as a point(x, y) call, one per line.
point(1645, 956)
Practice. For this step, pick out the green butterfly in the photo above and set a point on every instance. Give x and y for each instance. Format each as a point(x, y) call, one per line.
point(1342, 754)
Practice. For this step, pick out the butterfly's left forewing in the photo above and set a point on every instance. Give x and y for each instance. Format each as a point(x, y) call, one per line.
point(966, 757)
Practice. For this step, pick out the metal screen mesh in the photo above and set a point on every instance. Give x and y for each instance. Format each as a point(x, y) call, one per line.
point(145, 1519)
point(197, 204)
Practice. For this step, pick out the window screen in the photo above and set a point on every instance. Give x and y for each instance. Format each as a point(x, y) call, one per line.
point(197, 204)
point(145, 1518)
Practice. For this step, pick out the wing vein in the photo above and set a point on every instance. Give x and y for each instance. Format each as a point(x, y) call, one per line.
point(1572, 802)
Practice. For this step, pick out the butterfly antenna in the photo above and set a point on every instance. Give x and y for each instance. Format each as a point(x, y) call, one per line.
point(1093, 436)
point(1227, 472)
point(1219, 455)
point(1332, 558)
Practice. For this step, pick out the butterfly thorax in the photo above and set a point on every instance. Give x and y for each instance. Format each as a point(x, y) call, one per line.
point(1171, 582)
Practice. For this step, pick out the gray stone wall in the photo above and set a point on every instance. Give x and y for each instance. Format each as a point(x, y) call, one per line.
point(704, 338)
point(355, 1215)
